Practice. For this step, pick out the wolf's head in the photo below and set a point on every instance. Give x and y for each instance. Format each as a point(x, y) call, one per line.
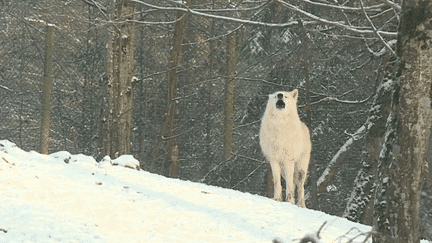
point(282, 102)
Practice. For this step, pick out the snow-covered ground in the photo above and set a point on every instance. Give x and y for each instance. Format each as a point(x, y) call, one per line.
point(72, 198)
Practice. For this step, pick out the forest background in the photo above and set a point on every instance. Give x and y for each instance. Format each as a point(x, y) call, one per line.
point(198, 74)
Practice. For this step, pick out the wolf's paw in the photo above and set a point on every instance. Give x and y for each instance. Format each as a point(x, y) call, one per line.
point(279, 199)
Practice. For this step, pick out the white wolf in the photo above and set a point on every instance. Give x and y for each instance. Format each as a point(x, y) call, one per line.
point(285, 142)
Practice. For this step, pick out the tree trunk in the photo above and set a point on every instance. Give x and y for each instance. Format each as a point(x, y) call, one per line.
point(171, 106)
point(230, 96)
point(274, 16)
point(396, 213)
point(143, 99)
point(121, 81)
point(360, 204)
point(313, 201)
point(209, 112)
point(47, 87)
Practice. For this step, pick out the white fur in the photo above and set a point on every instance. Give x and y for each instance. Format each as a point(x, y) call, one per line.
point(285, 142)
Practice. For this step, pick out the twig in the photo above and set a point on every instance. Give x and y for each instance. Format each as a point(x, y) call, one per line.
point(395, 6)
point(8, 161)
point(353, 102)
point(344, 8)
point(6, 88)
point(214, 168)
point(375, 29)
point(226, 9)
point(195, 12)
point(349, 28)
point(319, 231)
point(97, 6)
point(261, 163)
point(93, 4)
point(353, 29)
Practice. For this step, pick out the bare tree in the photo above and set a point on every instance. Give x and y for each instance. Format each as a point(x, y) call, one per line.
point(313, 202)
point(396, 213)
point(171, 106)
point(230, 96)
point(47, 87)
point(360, 204)
point(121, 80)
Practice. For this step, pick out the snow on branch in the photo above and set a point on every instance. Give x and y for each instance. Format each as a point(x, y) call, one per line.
point(230, 19)
point(337, 24)
point(359, 30)
point(230, 9)
point(370, 8)
point(6, 88)
point(367, 234)
point(351, 102)
point(395, 6)
point(330, 171)
point(157, 23)
point(96, 5)
point(41, 22)
point(375, 29)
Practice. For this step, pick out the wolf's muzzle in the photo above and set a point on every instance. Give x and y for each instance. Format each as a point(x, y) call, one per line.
point(280, 104)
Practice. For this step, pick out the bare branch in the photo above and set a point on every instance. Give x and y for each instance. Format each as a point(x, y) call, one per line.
point(395, 6)
point(227, 9)
point(340, 25)
point(370, 8)
point(319, 231)
point(382, 51)
point(6, 88)
point(351, 102)
point(375, 30)
point(252, 172)
point(353, 29)
point(230, 19)
point(213, 169)
point(149, 22)
point(95, 5)
point(331, 169)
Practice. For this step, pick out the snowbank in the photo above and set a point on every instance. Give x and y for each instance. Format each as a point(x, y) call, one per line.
point(72, 198)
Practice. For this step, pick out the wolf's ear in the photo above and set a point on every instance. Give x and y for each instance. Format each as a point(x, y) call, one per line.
point(294, 94)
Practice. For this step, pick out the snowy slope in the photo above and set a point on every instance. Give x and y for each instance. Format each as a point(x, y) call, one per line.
point(72, 198)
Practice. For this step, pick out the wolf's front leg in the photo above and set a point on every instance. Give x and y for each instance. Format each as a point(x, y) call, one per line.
point(287, 174)
point(276, 171)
